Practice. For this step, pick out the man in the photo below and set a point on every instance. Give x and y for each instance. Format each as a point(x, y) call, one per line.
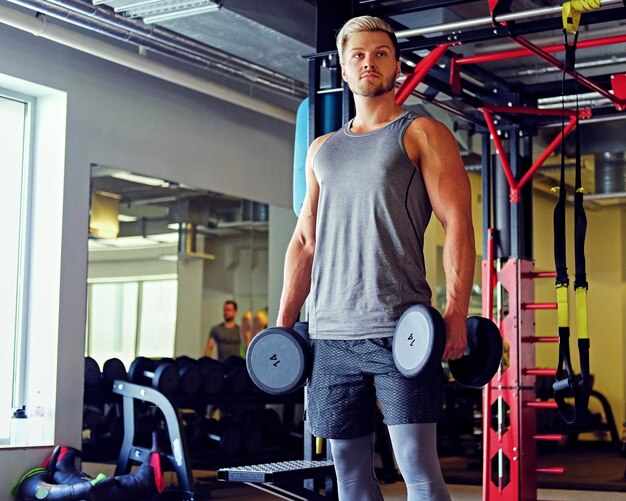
point(358, 250)
point(225, 335)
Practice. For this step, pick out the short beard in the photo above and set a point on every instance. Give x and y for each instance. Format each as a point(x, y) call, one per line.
point(376, 91)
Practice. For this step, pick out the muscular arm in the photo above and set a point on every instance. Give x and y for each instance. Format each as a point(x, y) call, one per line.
point(299, 258)
point(437, 155)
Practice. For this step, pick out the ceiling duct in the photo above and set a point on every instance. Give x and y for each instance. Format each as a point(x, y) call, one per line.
point(187, 243)
point(610, 173)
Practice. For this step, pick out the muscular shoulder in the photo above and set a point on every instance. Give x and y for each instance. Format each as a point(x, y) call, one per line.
point(317, 144)
point(428, 129)
point(427, 137)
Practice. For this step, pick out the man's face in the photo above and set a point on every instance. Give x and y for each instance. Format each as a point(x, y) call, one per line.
point(229, 312)
point(370, 67)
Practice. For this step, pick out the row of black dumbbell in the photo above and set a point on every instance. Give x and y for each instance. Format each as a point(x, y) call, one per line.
point(182, 375)
point(231, 435)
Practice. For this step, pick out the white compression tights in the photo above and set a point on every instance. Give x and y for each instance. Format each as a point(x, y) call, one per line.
point(415, 449)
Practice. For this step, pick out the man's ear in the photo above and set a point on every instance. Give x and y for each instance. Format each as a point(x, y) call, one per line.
point(398, 69)
point(343, 72)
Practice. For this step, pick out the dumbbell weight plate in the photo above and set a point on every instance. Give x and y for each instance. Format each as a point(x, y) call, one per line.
point(278, 360)
point(165, 378)
point(112, 370)
point(226, 435)
point(419, 341)
point(236, 381)
point(212, 375)
point(479, 366)
point(190, 379)
point(93, 376)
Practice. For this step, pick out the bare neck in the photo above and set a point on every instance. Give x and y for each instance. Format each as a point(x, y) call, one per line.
point(374, 112)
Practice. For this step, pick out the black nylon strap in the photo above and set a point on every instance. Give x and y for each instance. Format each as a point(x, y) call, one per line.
point(567, 381)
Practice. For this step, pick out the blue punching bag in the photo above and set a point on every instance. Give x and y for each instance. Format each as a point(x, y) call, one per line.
point(330, 120)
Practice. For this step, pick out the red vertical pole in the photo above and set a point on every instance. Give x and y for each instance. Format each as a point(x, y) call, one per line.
point(509, 447)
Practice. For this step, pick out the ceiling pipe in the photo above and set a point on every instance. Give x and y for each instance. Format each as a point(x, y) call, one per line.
point(489, 21)
point(38, 26)
point(105, 21)
point(490, 47)
point(135, 25)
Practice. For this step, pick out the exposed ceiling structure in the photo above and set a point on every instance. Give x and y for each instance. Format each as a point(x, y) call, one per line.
point(150, 212)
point(258, 48)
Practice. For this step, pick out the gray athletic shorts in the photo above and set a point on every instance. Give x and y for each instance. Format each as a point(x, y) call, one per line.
point(350, 376)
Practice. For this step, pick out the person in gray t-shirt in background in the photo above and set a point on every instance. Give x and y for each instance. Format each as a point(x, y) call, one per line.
point(225, 335)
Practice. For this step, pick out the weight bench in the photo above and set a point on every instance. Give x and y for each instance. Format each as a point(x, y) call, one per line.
point(178, 459)
point(281, 479)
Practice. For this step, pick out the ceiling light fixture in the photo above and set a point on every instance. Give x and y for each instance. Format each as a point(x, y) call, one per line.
point(135, 178)
point(180, 13)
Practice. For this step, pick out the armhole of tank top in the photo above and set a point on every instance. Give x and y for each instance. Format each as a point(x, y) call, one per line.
point(321, 146)
point(402, 145)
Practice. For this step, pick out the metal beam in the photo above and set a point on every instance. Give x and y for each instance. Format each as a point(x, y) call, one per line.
point(489, 21)
point(400, 7)
point(497, 32)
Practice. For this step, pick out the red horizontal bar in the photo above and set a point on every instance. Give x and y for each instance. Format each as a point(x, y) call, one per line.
point(540, 339)
point(511, 54)
point(542, 404)
point(549, 437)
point(555, 470)
point(552, 61)
point(539, 306)
point(539, 274)
point(525, 110)
point(538, 372)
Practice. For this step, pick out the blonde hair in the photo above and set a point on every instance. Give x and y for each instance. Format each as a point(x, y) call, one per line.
point(361, 24)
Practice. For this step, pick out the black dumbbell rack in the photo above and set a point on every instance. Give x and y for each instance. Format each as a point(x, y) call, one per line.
point(178, 458)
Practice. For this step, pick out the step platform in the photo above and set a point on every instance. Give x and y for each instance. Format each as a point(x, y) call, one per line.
point(277, 473)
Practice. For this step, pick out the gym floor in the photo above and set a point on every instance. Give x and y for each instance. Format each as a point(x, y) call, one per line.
point(397, 492)
point(595, 472)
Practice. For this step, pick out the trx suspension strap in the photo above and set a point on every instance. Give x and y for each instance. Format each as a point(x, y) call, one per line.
point(567, 383)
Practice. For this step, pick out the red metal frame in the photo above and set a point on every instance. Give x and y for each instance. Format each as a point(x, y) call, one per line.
point(618, 83)
point(516, 186)
point(512, 391)
point(511, 54)
point(421, 70)
point(551, 60)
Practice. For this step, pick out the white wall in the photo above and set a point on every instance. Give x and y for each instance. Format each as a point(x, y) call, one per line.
point(239, 272)
point(120, 118)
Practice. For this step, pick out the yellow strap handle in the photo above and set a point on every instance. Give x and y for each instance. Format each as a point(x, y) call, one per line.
point(562, 306)
point(581, 313)
point(319, 445)
point(572, 11)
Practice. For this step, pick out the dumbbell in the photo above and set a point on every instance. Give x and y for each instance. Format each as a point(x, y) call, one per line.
point(162, 375)
point(189, 375)
point(419, 341)
point(279, 359)
point(226, 435)
point(113, 370)
point(236, 380)
point(212, 375)
point(93, 376)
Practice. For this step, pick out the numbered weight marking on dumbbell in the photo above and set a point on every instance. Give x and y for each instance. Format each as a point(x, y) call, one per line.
point(278, 360)
point(418, 342)
point(266, 362)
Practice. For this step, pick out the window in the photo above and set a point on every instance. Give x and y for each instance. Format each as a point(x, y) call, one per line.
point(15, 126)
point(132, 318)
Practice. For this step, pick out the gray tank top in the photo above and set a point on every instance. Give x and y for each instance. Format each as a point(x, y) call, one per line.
point(372, 212)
